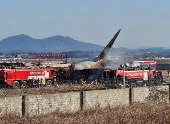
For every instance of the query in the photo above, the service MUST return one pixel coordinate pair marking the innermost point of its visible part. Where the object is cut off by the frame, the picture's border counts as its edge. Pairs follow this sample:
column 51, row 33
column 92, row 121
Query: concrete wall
column 144, row 94
column 11, row 105
column 139, row 94
column 73, row 101
column 43, row 104
column 103, row 98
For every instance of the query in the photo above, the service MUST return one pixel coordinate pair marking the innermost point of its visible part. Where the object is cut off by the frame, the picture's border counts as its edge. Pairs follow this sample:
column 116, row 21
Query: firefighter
column 58, row 76
column 55, row 76
column 33, row 82
column 38, row 82
column 22, row 82
column 82, row 81
column 30, row 83
column 96, row 82
column 41, row 82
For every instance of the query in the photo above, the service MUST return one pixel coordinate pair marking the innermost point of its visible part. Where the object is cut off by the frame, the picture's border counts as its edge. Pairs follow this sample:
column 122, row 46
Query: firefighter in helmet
column 55, row 76
column 38, row 82
column 41, row 82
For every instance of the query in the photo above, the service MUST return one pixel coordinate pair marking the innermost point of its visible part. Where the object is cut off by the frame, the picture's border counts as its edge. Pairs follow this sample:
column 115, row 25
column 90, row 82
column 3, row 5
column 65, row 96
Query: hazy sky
column 143, row 22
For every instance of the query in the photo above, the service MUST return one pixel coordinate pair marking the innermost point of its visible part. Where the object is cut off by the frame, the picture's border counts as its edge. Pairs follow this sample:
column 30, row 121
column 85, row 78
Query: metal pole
column 124, row 76
column 23, row 106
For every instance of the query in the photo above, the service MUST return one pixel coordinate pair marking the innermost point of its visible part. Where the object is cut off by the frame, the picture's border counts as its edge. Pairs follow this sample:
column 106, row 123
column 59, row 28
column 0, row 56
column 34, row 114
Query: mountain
column 25, row 43
column 122, row 49
column 55, row 44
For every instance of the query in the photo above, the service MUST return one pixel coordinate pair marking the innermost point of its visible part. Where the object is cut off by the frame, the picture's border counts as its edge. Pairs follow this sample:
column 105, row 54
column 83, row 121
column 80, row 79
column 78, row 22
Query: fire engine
column 144, row 75
column 23, row 77
column 134, row 77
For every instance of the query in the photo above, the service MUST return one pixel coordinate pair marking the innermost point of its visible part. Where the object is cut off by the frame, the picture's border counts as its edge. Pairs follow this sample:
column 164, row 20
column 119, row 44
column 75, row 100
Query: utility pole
column 124, row 76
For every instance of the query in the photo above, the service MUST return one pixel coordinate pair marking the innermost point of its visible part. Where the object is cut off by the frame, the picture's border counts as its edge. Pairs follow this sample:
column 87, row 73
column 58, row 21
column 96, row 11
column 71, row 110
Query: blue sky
column 143, row 22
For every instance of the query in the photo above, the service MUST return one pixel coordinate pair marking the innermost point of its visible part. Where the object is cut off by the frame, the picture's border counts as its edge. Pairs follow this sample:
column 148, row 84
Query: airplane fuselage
column 87, row 65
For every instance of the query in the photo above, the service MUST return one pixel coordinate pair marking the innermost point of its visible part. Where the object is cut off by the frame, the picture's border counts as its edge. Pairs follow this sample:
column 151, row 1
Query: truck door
column 145, row 76
column 46, row 74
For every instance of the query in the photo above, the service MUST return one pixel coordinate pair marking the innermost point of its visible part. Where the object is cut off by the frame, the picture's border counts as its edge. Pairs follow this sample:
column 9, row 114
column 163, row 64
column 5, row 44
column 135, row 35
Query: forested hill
column 55, row 44
column 25, row 43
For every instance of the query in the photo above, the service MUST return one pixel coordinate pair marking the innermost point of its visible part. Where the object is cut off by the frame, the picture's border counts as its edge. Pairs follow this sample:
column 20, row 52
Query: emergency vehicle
column 137, row 77
column 24, row 77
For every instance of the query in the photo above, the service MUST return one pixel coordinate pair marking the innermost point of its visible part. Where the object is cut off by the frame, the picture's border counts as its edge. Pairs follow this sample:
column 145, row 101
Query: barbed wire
column 65, row 86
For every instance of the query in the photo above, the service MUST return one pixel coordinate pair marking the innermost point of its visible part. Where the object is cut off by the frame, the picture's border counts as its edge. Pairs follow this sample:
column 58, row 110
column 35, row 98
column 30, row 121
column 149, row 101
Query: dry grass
column 138, row 113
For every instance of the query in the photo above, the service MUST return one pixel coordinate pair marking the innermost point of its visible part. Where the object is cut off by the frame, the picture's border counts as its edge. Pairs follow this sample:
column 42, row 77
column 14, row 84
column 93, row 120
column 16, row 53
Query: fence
column 163, row 66
column 70, row 86
column 63, row 86
column 24, row 102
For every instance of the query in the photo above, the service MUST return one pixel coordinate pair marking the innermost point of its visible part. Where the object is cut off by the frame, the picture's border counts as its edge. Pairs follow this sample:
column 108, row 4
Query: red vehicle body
column 136, row 74
column 133, row 78
column 9, row 76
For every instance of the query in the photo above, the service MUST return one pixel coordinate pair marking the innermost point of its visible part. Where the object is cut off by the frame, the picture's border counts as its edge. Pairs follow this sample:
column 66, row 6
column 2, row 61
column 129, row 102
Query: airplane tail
column 107, row 48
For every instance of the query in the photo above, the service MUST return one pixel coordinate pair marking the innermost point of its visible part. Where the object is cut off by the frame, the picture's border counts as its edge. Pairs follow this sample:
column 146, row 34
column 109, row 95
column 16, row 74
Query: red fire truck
column 143, row 74
column 18, row 77
column 137, row 77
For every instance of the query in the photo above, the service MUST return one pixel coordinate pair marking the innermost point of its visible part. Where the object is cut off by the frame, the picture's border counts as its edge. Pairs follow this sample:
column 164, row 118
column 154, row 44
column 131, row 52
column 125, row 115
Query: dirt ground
column 48, row 90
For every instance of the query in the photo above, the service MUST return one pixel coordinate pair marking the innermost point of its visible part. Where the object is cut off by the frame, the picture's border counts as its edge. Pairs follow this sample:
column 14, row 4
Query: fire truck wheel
column 133, row 84
column 49, row 83
column 139, row 83
column 16, row 84
column 24, row 84
column 151, row 82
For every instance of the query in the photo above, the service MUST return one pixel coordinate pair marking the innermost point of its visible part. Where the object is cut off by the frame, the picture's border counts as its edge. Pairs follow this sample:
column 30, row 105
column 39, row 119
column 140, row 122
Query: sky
column 142, row 22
